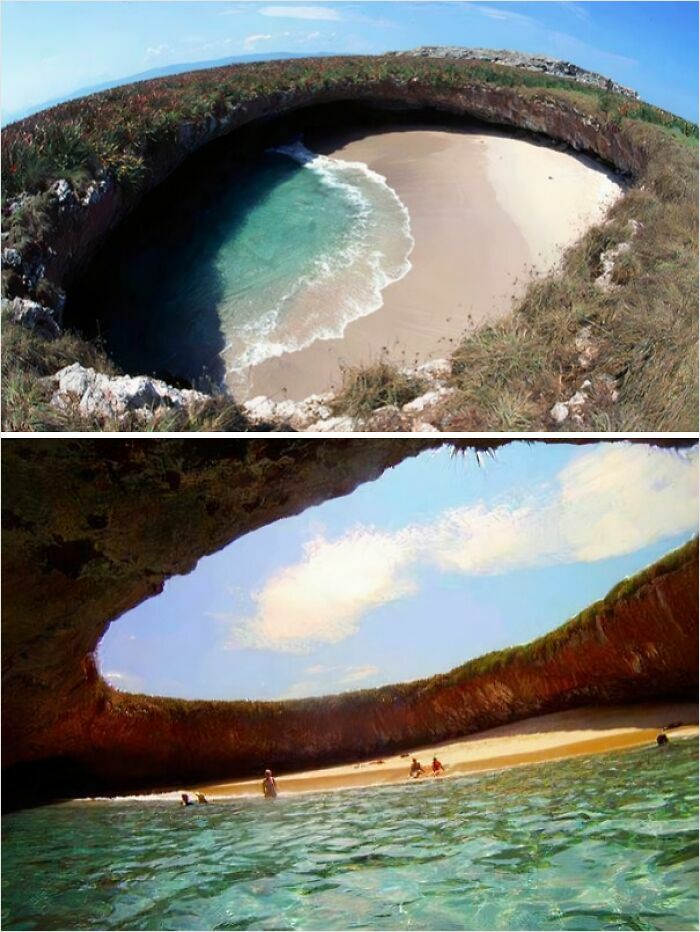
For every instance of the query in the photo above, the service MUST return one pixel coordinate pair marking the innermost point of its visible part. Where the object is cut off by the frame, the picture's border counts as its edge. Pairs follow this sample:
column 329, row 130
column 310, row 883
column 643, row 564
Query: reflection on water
column 605, row 842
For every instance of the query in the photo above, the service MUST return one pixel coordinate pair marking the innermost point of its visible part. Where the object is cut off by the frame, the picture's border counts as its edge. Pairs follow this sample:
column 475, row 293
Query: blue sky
column 51, row 49
column 438, row 561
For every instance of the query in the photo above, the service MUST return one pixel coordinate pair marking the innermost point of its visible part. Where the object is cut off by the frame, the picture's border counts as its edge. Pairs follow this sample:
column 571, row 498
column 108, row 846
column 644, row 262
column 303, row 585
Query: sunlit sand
column 488, row 212
column 533, row 740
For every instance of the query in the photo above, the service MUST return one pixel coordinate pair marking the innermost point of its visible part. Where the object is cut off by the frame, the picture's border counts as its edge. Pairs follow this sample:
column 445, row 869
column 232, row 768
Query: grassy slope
column 507, row 375
column 536, row 651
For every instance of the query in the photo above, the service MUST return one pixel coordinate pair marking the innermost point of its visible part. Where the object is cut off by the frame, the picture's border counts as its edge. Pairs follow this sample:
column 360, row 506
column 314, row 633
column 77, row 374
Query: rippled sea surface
column 604, row 842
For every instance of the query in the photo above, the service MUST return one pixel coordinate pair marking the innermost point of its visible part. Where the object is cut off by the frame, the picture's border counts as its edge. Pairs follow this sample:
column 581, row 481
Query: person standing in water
column 269, row 786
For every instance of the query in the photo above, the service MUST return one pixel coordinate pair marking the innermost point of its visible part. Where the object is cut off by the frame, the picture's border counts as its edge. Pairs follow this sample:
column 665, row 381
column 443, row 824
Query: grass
column 546, row 647
column 645, row 330
column 28, row 358
column 367, row 388
column 506, row 376
column 117, row 129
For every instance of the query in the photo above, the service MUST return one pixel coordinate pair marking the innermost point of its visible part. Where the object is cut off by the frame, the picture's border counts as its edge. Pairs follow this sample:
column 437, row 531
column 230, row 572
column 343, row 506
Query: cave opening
column 437, row 562
column 299, row 245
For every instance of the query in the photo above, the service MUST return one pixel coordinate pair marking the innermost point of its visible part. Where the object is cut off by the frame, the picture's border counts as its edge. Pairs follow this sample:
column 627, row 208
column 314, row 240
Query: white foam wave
column 265, row 337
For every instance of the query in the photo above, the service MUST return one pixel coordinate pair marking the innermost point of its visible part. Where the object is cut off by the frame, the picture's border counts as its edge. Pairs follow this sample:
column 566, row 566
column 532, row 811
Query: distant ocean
column 283, row 251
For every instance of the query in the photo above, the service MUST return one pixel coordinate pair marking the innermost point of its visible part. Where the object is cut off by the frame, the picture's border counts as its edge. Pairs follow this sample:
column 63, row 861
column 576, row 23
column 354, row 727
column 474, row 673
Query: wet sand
column 488, row 212
column 533, row 740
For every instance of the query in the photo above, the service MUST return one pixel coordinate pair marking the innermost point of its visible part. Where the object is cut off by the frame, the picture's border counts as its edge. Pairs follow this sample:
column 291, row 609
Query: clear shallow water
column 606, row 842
column 248, row 261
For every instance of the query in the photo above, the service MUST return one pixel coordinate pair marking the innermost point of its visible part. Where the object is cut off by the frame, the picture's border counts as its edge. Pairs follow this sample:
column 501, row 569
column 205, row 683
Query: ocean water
column 249, row 261
column 604, row 842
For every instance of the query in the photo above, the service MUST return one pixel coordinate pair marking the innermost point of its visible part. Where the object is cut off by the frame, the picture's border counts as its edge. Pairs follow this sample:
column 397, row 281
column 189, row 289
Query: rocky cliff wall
column 544, row 64
column 93, row 527
column 80, row 223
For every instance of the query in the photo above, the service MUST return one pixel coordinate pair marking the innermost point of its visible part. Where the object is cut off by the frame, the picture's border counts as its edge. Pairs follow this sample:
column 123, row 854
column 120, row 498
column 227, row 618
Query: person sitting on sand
column 269, row 786
column 185, row 800
column 202, row 799
column 437, row 767
column 416, row 769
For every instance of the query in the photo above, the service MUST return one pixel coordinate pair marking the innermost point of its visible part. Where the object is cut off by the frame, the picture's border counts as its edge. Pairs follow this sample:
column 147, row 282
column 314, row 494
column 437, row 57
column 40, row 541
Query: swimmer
column 437, row 767
column 202, row 799
column 269, row 786
column 185, row 800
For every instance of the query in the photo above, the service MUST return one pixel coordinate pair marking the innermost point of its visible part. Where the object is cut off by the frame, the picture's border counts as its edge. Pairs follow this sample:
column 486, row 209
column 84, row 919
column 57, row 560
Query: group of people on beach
column 417, row 770
column 270, row 791
column 186, row 801
column 269, row 788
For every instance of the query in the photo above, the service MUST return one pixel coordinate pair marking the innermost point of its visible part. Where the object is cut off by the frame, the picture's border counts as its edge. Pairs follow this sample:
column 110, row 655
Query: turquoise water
column 605, row 842
column 246, row 261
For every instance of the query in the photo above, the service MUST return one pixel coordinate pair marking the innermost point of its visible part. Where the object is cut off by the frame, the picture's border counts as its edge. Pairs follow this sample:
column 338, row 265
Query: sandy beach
column 533, row 740
column 487, row 211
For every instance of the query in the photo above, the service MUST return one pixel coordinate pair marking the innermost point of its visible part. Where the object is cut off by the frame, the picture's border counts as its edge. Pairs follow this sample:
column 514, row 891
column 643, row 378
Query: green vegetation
column 367, row 388
column 118, row 128
column 28, row 358
column 538, row 651
column 644, row 330
column 508, row 375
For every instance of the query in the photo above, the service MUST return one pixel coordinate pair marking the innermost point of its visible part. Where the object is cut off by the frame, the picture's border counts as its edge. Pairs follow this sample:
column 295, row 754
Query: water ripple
column 607, row 842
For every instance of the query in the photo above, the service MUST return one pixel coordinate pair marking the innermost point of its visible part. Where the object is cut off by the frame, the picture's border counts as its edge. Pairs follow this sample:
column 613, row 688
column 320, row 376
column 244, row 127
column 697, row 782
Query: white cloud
column 357, row 674
column 500, row 14
column 607, row 502
column 622, row 498
column 251, row 41
column 155, row 51
column 322, row 598
column 323, row 679
column 126, row 681
column 301, row 12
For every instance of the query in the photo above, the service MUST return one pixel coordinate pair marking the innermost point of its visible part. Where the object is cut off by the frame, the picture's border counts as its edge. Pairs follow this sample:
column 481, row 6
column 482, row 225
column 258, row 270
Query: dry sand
column 547, row 737
column 488, row 212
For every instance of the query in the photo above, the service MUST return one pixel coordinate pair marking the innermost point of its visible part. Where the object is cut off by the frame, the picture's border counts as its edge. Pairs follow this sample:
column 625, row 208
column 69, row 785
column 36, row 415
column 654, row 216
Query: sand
column 533, row 740
column 488, row 212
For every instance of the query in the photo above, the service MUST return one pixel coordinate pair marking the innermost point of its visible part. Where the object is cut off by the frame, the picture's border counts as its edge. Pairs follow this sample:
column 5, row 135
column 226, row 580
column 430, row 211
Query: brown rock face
column 79, row 228
column 93, row 527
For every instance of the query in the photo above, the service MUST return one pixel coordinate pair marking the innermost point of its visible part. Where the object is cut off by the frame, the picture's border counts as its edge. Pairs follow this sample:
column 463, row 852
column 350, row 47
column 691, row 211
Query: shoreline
column 552, row 737
column 464, row 191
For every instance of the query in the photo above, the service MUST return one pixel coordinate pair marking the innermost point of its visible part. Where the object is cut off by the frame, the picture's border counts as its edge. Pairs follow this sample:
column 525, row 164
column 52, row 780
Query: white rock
column 63, row 191
column 435, row 368
column 429, row 398
column 333, row 424
column 75, row 379
column 559, row 412
column 12, row 258
column 604, row 281
column 101, row 396
column 576, row 400
column 32, row 316
column 286, row 409
column 260, row 408
column 423, row 427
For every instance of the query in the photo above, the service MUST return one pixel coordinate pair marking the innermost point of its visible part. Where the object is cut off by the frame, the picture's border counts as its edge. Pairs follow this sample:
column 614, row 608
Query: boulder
column 32, row 316
column 100, row 396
